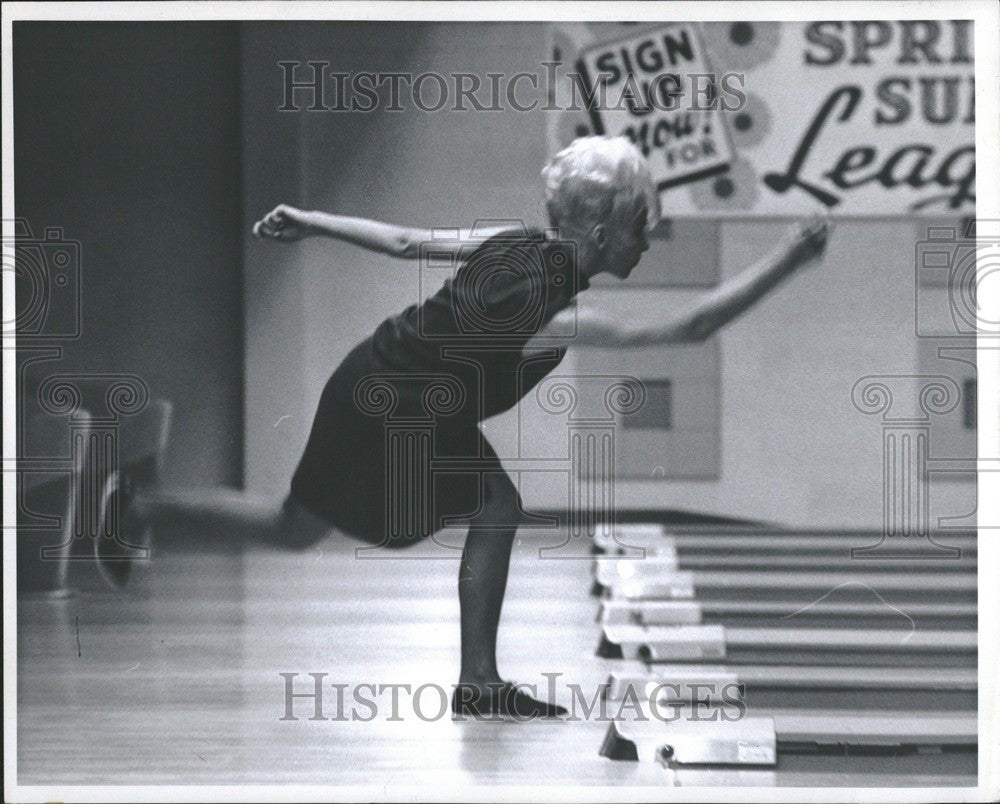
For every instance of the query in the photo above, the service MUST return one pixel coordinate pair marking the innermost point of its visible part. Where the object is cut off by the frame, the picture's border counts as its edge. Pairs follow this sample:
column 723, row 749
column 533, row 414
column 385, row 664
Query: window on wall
column 969, row 397
column 655, row 414
column 953, row 432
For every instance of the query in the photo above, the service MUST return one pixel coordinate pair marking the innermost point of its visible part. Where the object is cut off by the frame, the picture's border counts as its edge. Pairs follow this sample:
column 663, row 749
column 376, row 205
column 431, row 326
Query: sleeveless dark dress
column 395, row 452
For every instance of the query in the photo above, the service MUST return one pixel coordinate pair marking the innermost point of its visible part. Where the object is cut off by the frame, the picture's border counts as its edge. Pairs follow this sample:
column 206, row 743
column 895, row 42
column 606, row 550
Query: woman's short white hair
column 592, row 177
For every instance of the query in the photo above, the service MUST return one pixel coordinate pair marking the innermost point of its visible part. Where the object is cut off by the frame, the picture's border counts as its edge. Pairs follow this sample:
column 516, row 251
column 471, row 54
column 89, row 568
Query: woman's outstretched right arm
column 288, row 224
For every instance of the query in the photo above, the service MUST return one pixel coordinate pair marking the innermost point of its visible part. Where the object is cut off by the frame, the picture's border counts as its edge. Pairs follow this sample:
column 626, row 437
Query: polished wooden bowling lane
column 185, row 673
column 177, row 678
column 837, row 649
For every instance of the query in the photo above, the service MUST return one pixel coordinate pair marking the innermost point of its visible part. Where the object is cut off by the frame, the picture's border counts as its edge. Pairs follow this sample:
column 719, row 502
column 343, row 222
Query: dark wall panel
column 127, row 138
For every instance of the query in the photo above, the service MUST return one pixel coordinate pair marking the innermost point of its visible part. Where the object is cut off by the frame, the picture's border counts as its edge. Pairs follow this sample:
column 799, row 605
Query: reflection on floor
column 177, row 679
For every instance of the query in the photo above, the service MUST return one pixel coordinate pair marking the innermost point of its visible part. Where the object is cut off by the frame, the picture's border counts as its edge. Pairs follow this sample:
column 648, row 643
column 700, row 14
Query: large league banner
column 857, row 118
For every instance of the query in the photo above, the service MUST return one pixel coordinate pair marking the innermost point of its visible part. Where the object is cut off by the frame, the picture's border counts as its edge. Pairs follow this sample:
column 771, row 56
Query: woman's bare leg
column 482, row 582
column 228, row 513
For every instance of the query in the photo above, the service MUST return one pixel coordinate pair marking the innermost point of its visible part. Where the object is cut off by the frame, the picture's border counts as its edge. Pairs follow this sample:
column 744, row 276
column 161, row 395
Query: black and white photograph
column 535, row 401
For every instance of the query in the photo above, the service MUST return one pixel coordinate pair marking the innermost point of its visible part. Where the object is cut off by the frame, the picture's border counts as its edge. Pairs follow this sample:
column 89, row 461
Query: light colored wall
column 794, row 448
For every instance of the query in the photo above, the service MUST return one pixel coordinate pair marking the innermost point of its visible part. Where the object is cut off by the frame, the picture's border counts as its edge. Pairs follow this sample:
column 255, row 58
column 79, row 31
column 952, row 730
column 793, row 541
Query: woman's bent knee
column 502, row 506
